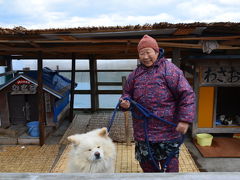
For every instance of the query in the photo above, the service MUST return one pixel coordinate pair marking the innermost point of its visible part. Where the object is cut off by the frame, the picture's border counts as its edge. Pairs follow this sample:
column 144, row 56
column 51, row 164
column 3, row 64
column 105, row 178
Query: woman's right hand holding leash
column 124, row 103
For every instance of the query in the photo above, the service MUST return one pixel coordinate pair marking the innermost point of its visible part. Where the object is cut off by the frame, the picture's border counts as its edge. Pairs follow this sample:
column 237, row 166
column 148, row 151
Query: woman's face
column 147, row 56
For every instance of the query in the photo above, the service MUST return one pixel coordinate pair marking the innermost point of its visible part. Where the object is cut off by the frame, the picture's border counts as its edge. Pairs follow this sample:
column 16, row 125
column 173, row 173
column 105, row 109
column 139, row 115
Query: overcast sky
column 41, row 14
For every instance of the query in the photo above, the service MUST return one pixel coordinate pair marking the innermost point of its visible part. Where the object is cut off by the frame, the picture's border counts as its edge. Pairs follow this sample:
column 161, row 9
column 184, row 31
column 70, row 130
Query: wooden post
column 126, row 116
column 41, row 109
column 72, row 87
column 176, row 57
column 93, row 83
column 196, row 90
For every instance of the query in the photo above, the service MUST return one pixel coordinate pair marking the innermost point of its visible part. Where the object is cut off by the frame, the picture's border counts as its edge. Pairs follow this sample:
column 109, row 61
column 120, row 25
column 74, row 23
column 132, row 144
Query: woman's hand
column 124, row 103
column 182, row 127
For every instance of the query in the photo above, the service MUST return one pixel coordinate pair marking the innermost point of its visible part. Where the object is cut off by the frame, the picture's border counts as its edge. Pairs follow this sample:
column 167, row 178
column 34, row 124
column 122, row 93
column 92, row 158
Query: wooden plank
column 80, row 48
column 41, row 109
column 184, row 31
column 109, row 83
column 176, row 56
column 218, row 130
column 231, row 42
column 72, row 87
column 196, row 90
column 82, row 40
column 109, row 91
column 105, row 48
column 126, row 116
column 93, row 83
column 33, row 44
column 7, row 73
column 67, row 38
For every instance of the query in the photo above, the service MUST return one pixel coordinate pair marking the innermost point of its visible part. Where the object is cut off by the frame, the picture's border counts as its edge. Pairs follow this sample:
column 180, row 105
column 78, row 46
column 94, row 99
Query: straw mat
column 78, row 126
column 34, row 159
column 86, row 123
column 126, row 163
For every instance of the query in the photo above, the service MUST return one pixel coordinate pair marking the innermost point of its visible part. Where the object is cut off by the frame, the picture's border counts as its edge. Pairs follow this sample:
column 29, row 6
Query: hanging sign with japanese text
column 220, row 75
column 23, row 86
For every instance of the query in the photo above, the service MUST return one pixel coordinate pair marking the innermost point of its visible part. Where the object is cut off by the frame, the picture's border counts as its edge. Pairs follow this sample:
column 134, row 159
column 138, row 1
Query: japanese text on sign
column 221, row 75
column 23, row 87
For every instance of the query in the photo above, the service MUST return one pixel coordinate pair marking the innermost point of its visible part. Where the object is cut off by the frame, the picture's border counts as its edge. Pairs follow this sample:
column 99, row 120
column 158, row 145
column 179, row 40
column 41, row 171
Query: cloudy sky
column 41, row 14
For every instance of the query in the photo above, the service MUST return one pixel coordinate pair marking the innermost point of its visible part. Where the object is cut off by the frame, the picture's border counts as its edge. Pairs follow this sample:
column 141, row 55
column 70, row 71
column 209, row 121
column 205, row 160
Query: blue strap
column 172, row 154
column 113, row 116
column 148, row 114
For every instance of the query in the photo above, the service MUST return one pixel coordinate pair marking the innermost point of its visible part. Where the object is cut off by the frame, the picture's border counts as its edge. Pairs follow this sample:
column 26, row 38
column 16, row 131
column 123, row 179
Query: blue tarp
column 53, row 80
column 59, row 84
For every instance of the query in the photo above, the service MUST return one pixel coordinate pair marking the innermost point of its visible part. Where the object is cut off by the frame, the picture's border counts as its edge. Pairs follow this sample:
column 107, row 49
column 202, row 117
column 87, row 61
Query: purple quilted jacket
column 164, row 91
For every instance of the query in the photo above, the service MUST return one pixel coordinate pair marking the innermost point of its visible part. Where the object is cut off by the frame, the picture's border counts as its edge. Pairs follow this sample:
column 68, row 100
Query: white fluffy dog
column 92, row 152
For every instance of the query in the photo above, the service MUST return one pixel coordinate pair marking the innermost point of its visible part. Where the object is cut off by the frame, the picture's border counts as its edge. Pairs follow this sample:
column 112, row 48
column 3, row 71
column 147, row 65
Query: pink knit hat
column 148, row 42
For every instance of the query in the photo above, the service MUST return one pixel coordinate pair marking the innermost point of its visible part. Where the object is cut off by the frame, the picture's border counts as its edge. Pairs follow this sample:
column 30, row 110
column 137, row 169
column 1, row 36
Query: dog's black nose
column 97, row 155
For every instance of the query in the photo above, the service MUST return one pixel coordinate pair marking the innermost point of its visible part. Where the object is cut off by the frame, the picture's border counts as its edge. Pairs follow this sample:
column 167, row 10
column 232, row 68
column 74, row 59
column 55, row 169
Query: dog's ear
column 73, row 139
column 103, row 132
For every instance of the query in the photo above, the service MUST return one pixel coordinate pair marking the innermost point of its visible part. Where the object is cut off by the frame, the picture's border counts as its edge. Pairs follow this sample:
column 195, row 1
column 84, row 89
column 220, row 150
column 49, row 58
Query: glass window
column 128, row 64
column 82, row 101
column 58, row 64
column 83, row 80
column 18, row 65
column 2, row 78
column 111, row 76
column 82, row 64
column 108, row 100
column 66, row 74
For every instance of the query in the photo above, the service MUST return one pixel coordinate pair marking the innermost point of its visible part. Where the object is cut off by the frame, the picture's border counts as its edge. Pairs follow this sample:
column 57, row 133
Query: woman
column 161, row 87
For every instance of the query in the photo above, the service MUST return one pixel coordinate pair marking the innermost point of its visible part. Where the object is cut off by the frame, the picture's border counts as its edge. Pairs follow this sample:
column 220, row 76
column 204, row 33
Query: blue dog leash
column 146, row 114
column 113, row 116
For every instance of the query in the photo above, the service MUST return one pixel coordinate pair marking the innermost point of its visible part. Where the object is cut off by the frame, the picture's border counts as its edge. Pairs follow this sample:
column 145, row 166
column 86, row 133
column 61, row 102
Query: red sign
column 22, row 86
column 22, row 81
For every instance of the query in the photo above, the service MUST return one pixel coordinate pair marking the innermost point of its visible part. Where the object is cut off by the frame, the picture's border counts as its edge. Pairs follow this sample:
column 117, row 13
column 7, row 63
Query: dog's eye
column 98, row 147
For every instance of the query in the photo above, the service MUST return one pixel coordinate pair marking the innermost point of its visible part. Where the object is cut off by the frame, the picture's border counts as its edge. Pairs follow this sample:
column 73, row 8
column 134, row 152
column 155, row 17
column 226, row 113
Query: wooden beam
column 41, row 109
column 81, row 48
column 126, row 116
column 231, row 42
column 109, row 83
column 109, row 91
column 5, row 46
column 114, row 48
column 176, row 56
column 71, row 116
column 133, row 40
column 7, row 73
column 67, row 38
column 93, row 83
column 128, row 46
column 183, row 31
